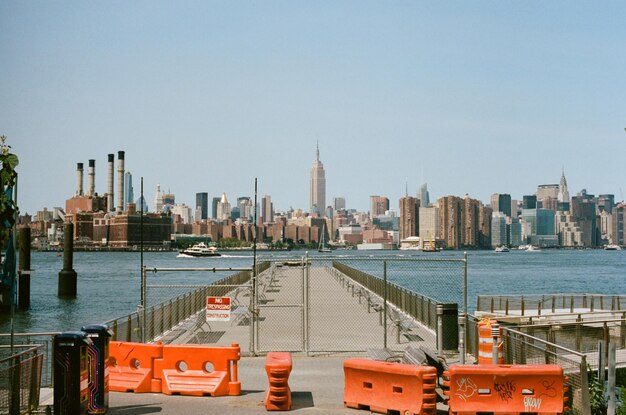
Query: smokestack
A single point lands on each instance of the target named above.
(120, 181)
(110, 205)
(91, 185)
(79, 179)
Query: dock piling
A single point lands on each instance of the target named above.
(23, 300)
(68, 277)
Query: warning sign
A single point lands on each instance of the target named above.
(218, 309)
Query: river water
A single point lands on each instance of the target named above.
(109, 282)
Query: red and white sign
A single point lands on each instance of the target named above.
(218, 309)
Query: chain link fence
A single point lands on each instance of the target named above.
(20, 379)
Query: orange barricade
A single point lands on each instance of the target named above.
(278, 368)
(505, 389)
(198, 370)
(131, 367)
(485, 343)
(384, 386)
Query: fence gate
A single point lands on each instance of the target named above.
(281, 299)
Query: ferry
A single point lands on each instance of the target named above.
(532, 248)
(201, 250)
(612, 247)
(501, 249)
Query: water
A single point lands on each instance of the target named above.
(109, 282)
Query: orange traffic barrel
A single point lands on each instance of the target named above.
(485, 343)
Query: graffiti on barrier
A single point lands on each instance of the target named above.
(548, 389)
(505, 389)
(466, 388)
(531, 404)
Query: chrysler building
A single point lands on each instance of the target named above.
(317, 187)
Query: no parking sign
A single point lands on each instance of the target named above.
(218, 309)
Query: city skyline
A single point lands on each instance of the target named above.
(483, 98)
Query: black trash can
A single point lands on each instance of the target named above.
(71, 374)
(450, 326)
(98, 358)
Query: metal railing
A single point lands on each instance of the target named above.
(20, 379)
(43, 341)
(538, 304)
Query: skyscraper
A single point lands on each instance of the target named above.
(378, 206)
(129, 196)
(563, 195)
(339, 203)
(424, 195)
(223, 208)
(501, 202)
(158, 199)
(267, 209)
(214, 203)
(317, 186)
(409, 217)
(202, 204)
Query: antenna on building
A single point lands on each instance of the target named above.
(406, 188)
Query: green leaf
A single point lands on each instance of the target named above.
(12, 161)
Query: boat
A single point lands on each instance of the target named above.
(501, 249)
(201, 250)
(322, 246)
(532, 248)
(612, 247)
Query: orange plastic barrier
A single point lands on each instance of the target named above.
(278, 368)
(131, 367)
(198, 370)
(485, 343)
(505, 389)
(383, 386)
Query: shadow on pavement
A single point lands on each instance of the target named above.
(135, 409)
(301, 400)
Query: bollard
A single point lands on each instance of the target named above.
(67, 276)
(440, 328)
(23, 296)
(495, 332)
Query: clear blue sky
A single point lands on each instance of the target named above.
(481, 96)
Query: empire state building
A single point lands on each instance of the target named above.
(317, 193)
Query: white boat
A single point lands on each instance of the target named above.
(523, 247)
(322, 246)
(501, 249)
(201, 250)
(532, 248)
(612, 247)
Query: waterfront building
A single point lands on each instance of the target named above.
(317, 186)
(429, 226)
(501, 202)
(378, 206)
(606, 203)
(223, 208)
(214, 202)
(202, 206)
(529, 202)
(129, 194)
(409, 216)
(124, 230)
(515, 232)
(450, 208)
(499, 230)
(470, 215)
(606, 227)
(583, 209)
(619, 230)
(570, 234)
(339, 203)
(158, 199)
(351, 234)
(484, 226)
(184, 212)
(424, 195)
(267, 209)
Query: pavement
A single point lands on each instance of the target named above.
(337, 322)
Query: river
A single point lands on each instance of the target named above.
(109, 282)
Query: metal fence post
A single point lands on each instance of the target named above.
(495, 333)
(462, 320)
(440, 328)
(601, 361)
(144, 303)
(611, 406)
(385, 302)
(584, 387)
(306, 308)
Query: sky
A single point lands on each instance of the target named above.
(473, 97)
